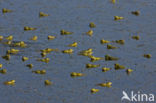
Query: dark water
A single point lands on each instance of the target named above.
(75, 15)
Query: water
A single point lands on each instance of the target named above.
(75, 16)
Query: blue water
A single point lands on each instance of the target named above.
(75, 16)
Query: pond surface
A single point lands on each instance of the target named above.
(75, 16)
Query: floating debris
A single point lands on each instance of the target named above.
(92, 65)
(92, 25)
(118, 66)
(136, 12)
(110, 58)
(147, 56)
(93, 90)
(108, 84)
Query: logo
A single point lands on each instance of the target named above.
(125, 96)
(137, 97)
